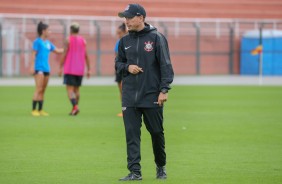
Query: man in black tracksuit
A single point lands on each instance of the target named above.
(143, 59)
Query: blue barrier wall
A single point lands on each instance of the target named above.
(272, 53)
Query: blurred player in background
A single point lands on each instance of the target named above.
(40, 67)
(73, 61)
(121, 31)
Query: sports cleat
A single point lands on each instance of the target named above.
(119, 115)
(74, 111)
(43, 113)
(131, 177)
(161, 173)
(35, 113)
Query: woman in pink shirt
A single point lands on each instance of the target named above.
(73, 62)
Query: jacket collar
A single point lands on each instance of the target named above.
(148, 28)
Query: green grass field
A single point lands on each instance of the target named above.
(213, 135)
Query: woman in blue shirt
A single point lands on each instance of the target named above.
(40, 67)
(121, 31)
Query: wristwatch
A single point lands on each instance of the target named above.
(164, 91)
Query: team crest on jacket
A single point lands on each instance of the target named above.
(148, 46)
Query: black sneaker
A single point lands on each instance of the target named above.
(131, 177)
(161, 173)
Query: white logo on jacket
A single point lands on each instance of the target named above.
(148, 46)
(127, 47)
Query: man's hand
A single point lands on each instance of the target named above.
(134, 69)
(162, 98)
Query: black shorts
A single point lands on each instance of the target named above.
(118, 78)
(41, 72)
(72, 80)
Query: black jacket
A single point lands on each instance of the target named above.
(149, 50)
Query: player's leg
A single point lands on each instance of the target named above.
(77, 81)
(77, 93)
(69, 81)
(73, 99)
(41, 96)
(71, 94)
(120, 93)
(38, 77)
(153, 119)
(119, 84)
(132, 123)
(77, 97)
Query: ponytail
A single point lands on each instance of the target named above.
(41, 27)
(122, 27)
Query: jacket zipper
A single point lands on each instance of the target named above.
(136, 94)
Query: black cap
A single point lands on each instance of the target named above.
(132, 10)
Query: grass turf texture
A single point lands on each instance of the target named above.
(213, 135)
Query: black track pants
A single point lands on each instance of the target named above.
(153, 119)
